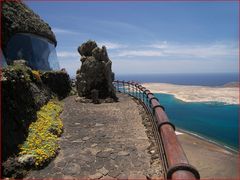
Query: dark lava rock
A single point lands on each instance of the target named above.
(12, 168)
(24, 92)
(95, 72)
(86, 48)
(22, 95)
(58, 82)
(18, 18)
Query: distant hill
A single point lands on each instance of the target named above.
(232, 84)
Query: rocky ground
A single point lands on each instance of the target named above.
(105, 140)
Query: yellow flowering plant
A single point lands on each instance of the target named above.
(42, 140)
(36, 74)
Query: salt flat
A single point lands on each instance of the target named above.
(187, 93)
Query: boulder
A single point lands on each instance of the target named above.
(95, 74)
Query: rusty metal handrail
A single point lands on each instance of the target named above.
(178, 166)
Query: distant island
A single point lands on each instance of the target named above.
(232, 84)
(227, 94)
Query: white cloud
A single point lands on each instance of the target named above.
(163, 57)
(71, 65)
(202, 50)
(126, 28)
(111, 45)
(159, 45)
(64, 31)
(181, 51)
(150, 66)
(145, 53)
(67, 54)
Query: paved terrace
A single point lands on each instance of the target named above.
(108, 140)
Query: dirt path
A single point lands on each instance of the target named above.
(105, 140)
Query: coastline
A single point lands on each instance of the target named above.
(188, 93)
(211, 159)
(223, 146)
(178, 91)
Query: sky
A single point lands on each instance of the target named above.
(147, 37)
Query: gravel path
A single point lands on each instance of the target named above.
(105, 140)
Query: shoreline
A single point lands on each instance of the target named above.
(217, 94)
(192, 93)
(211, 159)
(223, 146)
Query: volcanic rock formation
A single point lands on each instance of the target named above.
(26, 36)
(24, 92)
(18, 18)
(95, 77)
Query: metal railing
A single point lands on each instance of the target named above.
(174, 160)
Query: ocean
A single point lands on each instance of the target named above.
(210, 79)
(213, 121)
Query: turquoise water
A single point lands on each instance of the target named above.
(215, 121)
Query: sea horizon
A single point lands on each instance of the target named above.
(201, 79)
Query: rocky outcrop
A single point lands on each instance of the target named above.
(95, 77)
(18, 18)
(58, 82)
(24, 92)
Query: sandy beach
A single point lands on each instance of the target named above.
(211, 160)
(187, 93)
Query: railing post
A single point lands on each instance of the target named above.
(117, 85)
(139, 92)
(134, 89)
(143, 94)
(139, 95)
(133, 86)
(131, 90)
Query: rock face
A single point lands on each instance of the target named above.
(95, 76)
(18, 18)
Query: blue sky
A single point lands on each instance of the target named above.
(147, 37)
